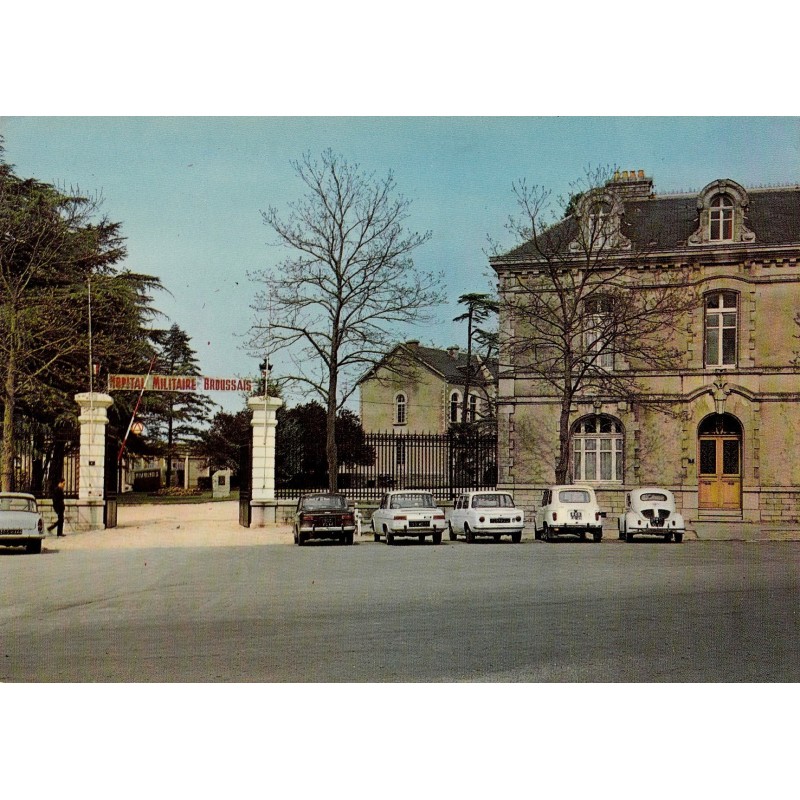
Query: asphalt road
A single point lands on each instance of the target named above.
(568, 611)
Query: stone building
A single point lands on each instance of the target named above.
(731, 449)
(417, 389)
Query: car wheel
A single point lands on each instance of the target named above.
(34, 546)
(497, 537)
(468, 533)
(348, 539)
(375, 535)
(537, 534)
(678, 538)
(389, 536)
(667, 537)
(545, 534)
(301, 539)
(295, 535)
(582, 536)
(597, 536)
(516, 537)
(451, 532)
(628, 535)
(621, 531)
(437, 537)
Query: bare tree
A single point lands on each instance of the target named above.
(579, 317)
(335, 303)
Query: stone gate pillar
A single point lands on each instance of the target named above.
(263, 502)
(91, 476)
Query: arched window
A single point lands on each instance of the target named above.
(455, 403)
(472, 411)
(721, 309)
(597, 449)
(721, 219)
(400, 409)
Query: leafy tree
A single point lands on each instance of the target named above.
(580, 311)
(220, 443)
(480, 307)
(175, 417)
(349, 279)
(301, 459)
(53, 245)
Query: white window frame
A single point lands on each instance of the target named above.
(400, 409)
(720, 216)
(455, 405)
(598, 456)
(714, 335)
(592, 341)
(472, 408)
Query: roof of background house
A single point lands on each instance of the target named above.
(665, 222)
(452, 367)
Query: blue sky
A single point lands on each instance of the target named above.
(189, 190)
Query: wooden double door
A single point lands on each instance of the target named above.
(720, 474)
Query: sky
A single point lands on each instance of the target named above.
(189, 192)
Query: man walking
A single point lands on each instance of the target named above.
(58, 508)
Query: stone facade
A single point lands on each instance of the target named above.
(426, 379)
(730, 447)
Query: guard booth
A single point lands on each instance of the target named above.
(245, 485)
(111, 478)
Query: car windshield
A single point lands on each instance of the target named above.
(653, 497)
(409, 500)
(573, 496)
(492, 501)
(324, 502)
(17, 504)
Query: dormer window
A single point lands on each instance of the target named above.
(722, 210)
(599, 215)
(721, 219)
(600, 223)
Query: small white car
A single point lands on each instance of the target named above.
(408, 512)
(21, 524)
(568, 509)
(486, 514)
(651, 510)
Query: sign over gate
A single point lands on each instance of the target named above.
(177, 383)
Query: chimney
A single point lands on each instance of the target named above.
(412, 344)
(453, 351)
(631, 184)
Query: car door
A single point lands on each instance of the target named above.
(457, 518)
(538, 519)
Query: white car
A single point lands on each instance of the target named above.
(651, 510)
(486, 514)
(408, 513)
(21, 523)
(568, 509)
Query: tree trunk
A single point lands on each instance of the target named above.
(169, 448)
(9, 397)
(562, 467)
(330, 443)
(467, 381)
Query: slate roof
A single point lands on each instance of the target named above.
(452, 368)
(666, 222)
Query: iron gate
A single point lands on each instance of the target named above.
(111, 474)
(245, 485)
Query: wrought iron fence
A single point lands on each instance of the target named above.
(445, 464)
(41, 457)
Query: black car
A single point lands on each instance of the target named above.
(324, 516)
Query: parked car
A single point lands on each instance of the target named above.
(651, 510)
(325, 515)
(408, 513)
(568, 509)
(486, 514)
(21, 524)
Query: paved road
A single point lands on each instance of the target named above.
(724, 611)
